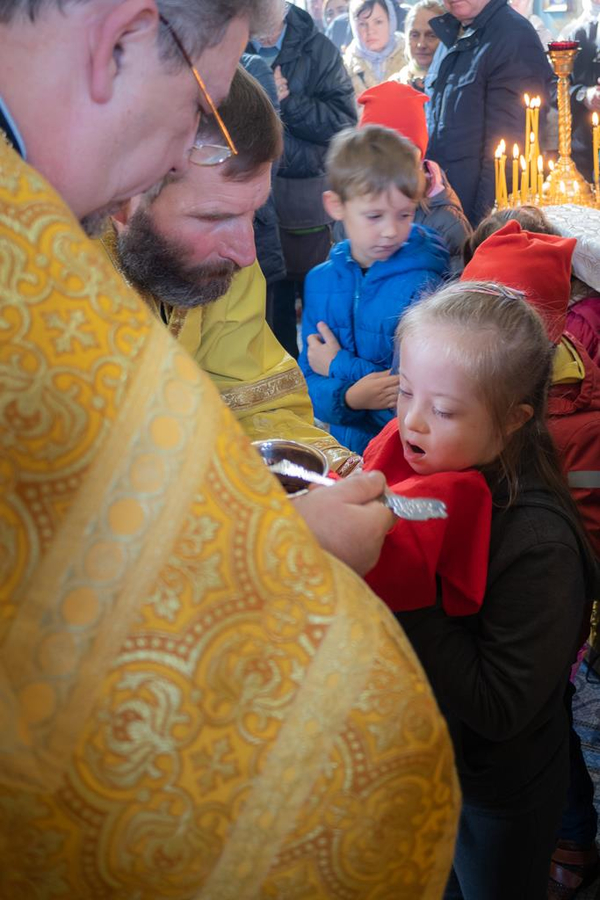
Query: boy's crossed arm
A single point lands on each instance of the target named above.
(376, 390)
(322, 349)
(335, 360)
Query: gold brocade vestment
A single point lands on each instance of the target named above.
(195, 700)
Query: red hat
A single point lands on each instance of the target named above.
(397, 106)
(537, 264)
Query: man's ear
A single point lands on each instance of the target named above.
(518, 417)
(121, 27)
(333, 205)
(122, 217)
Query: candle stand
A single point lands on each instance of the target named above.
(565, 182)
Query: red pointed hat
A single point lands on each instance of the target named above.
(537, 264)
(397, 106)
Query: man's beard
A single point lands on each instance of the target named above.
(157, 266)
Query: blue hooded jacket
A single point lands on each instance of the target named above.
(363, 311)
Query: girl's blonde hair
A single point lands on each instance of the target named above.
(501, 342)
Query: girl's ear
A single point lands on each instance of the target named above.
(518, 417)
(333, 205)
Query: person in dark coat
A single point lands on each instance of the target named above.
(585, 90)
(317, 101)
(488, 57)
(269, 251)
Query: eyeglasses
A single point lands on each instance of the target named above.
(203, 154)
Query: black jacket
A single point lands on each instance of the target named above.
(586, 72)
(266, 230)
(321, 100)
(476, 85)
(500, 676)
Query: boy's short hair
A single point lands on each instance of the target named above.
(371, 160)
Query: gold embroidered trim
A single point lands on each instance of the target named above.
(245, 396)
(177, 317)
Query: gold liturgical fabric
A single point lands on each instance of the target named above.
(195, 700)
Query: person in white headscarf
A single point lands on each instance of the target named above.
(377, 48)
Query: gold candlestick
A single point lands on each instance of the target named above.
(565, 173)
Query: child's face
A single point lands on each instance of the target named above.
(443, 424)
(377, 226)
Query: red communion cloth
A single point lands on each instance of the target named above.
(416, 554)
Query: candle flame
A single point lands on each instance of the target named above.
(595, 119)
(523, 163)
(502, 145)
(575, 188)
(532, 137)
(515, 151)
(551, 165)
(563, 188)
(540, 164)
(498, 152)
(526, 99)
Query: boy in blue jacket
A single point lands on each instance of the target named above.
(353, 301)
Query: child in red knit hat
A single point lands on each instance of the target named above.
(474, 368)
(539, 264)
(400, 107)
(583, 314)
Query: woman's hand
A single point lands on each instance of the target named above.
(281, 84)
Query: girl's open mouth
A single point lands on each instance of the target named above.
(415, 448)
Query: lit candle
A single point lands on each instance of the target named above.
(497, 175)
(524, 185)
(551, 165)
(527, 125)
(515, 175)
(535, 125)
(503, 187)
(596, 137)
(540, 179)
(532, 162)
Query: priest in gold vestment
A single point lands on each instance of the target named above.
(195, 700)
